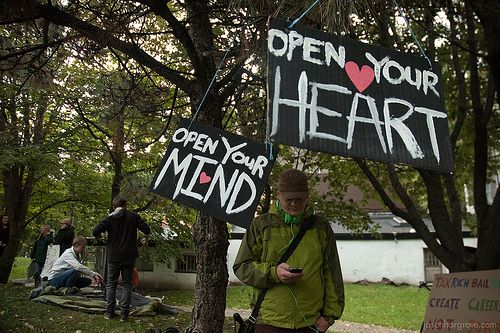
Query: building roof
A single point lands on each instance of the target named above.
(391, 227)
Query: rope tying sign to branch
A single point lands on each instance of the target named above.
(414, 37)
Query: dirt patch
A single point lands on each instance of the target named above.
(346, 326)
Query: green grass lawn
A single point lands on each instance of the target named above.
(17, 314)
(19, 269)
(384, 305)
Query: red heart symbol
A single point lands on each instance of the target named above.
(204, 178)
(361, 78)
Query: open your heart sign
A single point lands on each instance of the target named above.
(214, 171)
(344, 97)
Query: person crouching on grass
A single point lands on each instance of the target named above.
(66, 270)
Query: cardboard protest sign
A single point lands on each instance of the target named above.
(340, 96)
(31, 270)
(50, 259)
(464, 302)
(216, 172)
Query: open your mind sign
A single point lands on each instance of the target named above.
(214, 171)
(336, 95)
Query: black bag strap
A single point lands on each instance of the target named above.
(308, 223)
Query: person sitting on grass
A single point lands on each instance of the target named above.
(66, 270)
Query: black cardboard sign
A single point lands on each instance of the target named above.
(340, 96)
(214, 171)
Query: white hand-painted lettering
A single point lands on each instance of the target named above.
(243, 178)
(315, 109)
(230, 150)
(331, 53)
(387, 72)
(294, 40)
(287, 43)
(429, 81)
(183, 167)
(398, 124)
(234, 196)
(303, 106)
(219, 178)
(311, 45)
(232, 190)
(353, 119)
(270, 42)
(183, 135)
(276, 101)
(391, 123)
(431, 114)
(188, 191)
(418, 77)
(377, 65)
(312, 49)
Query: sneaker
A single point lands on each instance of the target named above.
(109, 315)
(34, 293)
(123, 317)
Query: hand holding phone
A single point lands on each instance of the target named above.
(288, 274)
(296, 270)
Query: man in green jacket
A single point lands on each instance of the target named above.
(301, 302)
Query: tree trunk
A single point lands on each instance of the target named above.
(489, 252)
(210, 235)
(211, 238)
(8, 257)
(17, 198)
(116, 153)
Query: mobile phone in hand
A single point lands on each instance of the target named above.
(295, 270)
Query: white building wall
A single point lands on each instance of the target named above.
(371, 260)
(163, 277)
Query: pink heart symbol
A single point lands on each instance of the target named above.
(204, 178)
(361, 78)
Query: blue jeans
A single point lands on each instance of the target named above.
(70, 278)
(126, 268)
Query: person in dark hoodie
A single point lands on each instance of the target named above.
(122, 226)
(65, 236)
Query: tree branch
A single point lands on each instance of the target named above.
(449, 233)
(380, 190)
(460, 78)
(105, 38)
(33, 218)
(179, 30)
